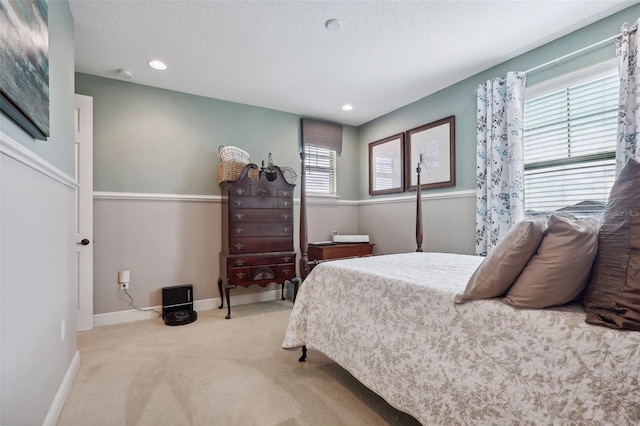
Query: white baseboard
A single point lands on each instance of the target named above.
(63, 391)
(199, 305)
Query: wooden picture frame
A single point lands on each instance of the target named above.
(386, 158)
(433, 146)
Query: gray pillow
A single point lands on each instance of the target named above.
(502, 266)
(559, 271)
(612, 297)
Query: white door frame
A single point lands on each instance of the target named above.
(84, 210)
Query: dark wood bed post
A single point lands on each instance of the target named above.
(418, 212)
(304, 258)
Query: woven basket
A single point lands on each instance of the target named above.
(233, 153)
(230, 170)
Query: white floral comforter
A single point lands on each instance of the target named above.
(391, 322)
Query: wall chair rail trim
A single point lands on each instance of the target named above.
(13, 149)
(100, 195)
(103, 195)
(412, 198)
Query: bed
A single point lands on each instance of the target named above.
(391, 322)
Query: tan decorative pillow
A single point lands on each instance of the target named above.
(559, 271)
(502, 266)
(612, 298)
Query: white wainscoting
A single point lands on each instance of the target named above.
(37, 286)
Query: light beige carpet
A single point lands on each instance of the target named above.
(214, 372)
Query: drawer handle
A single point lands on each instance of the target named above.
(239, 215)
(239, 230)
(239, 203)
(262, 191)
(239, 262)
(286, 216)
(286, 230)
(286, 203)
(240, 191)
(240, 275)
(239, 246)
(285, 194)
(286, 271)
(286, 259)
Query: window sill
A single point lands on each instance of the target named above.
(318, 195)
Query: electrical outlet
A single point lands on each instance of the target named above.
(123, 279)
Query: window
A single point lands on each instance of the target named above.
(322, 141)
(320, 164)
(570, 142)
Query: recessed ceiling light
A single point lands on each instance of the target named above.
(158, 65)
(333, 25)
(347, 107)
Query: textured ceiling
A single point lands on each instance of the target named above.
(279, 55)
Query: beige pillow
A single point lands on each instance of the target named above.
(559, 271)
(612, 298)
(501, 267)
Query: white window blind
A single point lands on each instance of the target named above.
(320, 164)
(384, 173)
(569, 144)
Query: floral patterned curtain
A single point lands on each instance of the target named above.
(499, 160)
(629, 100)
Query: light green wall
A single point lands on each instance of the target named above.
(160, 141)
(58, 149)
(460, 100)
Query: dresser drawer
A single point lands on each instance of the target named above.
(239, 274)
(263, 272)
(286, 271)
(263, 191)
(255, 261)
(253, 273)
(261, 203)
(285, 193)
(239, 189)
(269, 191)
(260, 244)
(273, 229)
(263, 215)
(254, 203)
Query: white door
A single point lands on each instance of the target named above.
(84, 210)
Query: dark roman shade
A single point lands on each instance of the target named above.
(325, 135)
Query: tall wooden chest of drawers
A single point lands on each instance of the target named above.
(257, 231)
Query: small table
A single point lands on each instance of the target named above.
(323, 252)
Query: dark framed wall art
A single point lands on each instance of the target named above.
(386, 158)
(433, 147)
(24, 64)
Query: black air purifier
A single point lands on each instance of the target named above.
(177, 305)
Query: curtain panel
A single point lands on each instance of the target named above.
(629, 100)
(499, 159)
